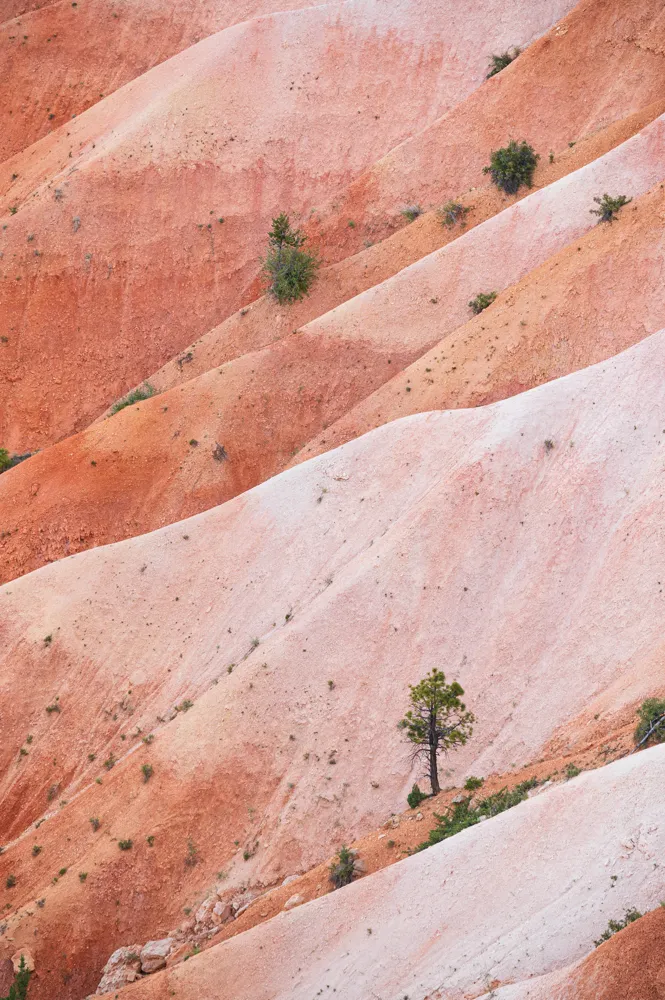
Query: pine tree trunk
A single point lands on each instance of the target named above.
(433, 747)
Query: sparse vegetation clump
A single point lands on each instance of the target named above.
(144, 391)
(471, 783)
(342, 870)
(147, 771)
(651, 725)
(8, 461)
(461, 815)
(512, 166)
(451, 213)
(411, 212)
(415, 797)
(481, 301)
(614, 926)
(19, 988)
(497, 63)
(125, 845)
(437, 721)
(289, 270)
(609, 207)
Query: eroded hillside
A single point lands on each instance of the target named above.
(215, 598)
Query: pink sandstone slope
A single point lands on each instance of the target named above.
(57, 61)
(602, 62)
(148, 266)
(154, 463)
(460, 539)
(265, 321)
(448, 921)
(595, 298)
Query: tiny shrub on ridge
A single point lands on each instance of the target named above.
(481, 301)
(342, 869)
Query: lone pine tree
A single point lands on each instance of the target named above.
(289, 270)
(437, 721)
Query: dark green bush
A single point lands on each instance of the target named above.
(415, 797)
(19, 988)
(144, 391)
(125, 845)
(497, 63)
(288, 269)
(608, 207)
(512, 166)
(342, 869)
(482, 301)
(651, 725)
(460, 815)
(614, 926)
(451, 213)
(471, 784)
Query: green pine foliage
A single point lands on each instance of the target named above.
(144, 391)
(19, 988)
(289, 270)
(651, 725)
(512, 166)
(497, 63)
(342, 869)
(481, 301)
(609, 207)
(415, 797)
(462, 814)
(614, 926)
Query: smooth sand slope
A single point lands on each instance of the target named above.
(57, 61)
(459, 539)
(148, 266)
(520, 895)
(154, 463)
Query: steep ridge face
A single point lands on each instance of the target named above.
(432, 930)
(119, 212)
(155, 463)
(486, 540)
(603, 61)
(57, 61)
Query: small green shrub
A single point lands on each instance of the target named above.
(144, 391)
(572, 770)
(125, 845)
(110, 762)
(36, 849)
(184, 706)
(460, 815)
(94, 823)
(415, 797)
(147, 771)
(651, 725)
(411, 212)
(19, 988)
(8, 461)
(512, 166)
(451, 213)
(609, 207)
(342, 869)
(471, 784)
(83, 876)
(288, 269)
(497, 63)
(482, 301)
(614, 926)
(11, 881)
